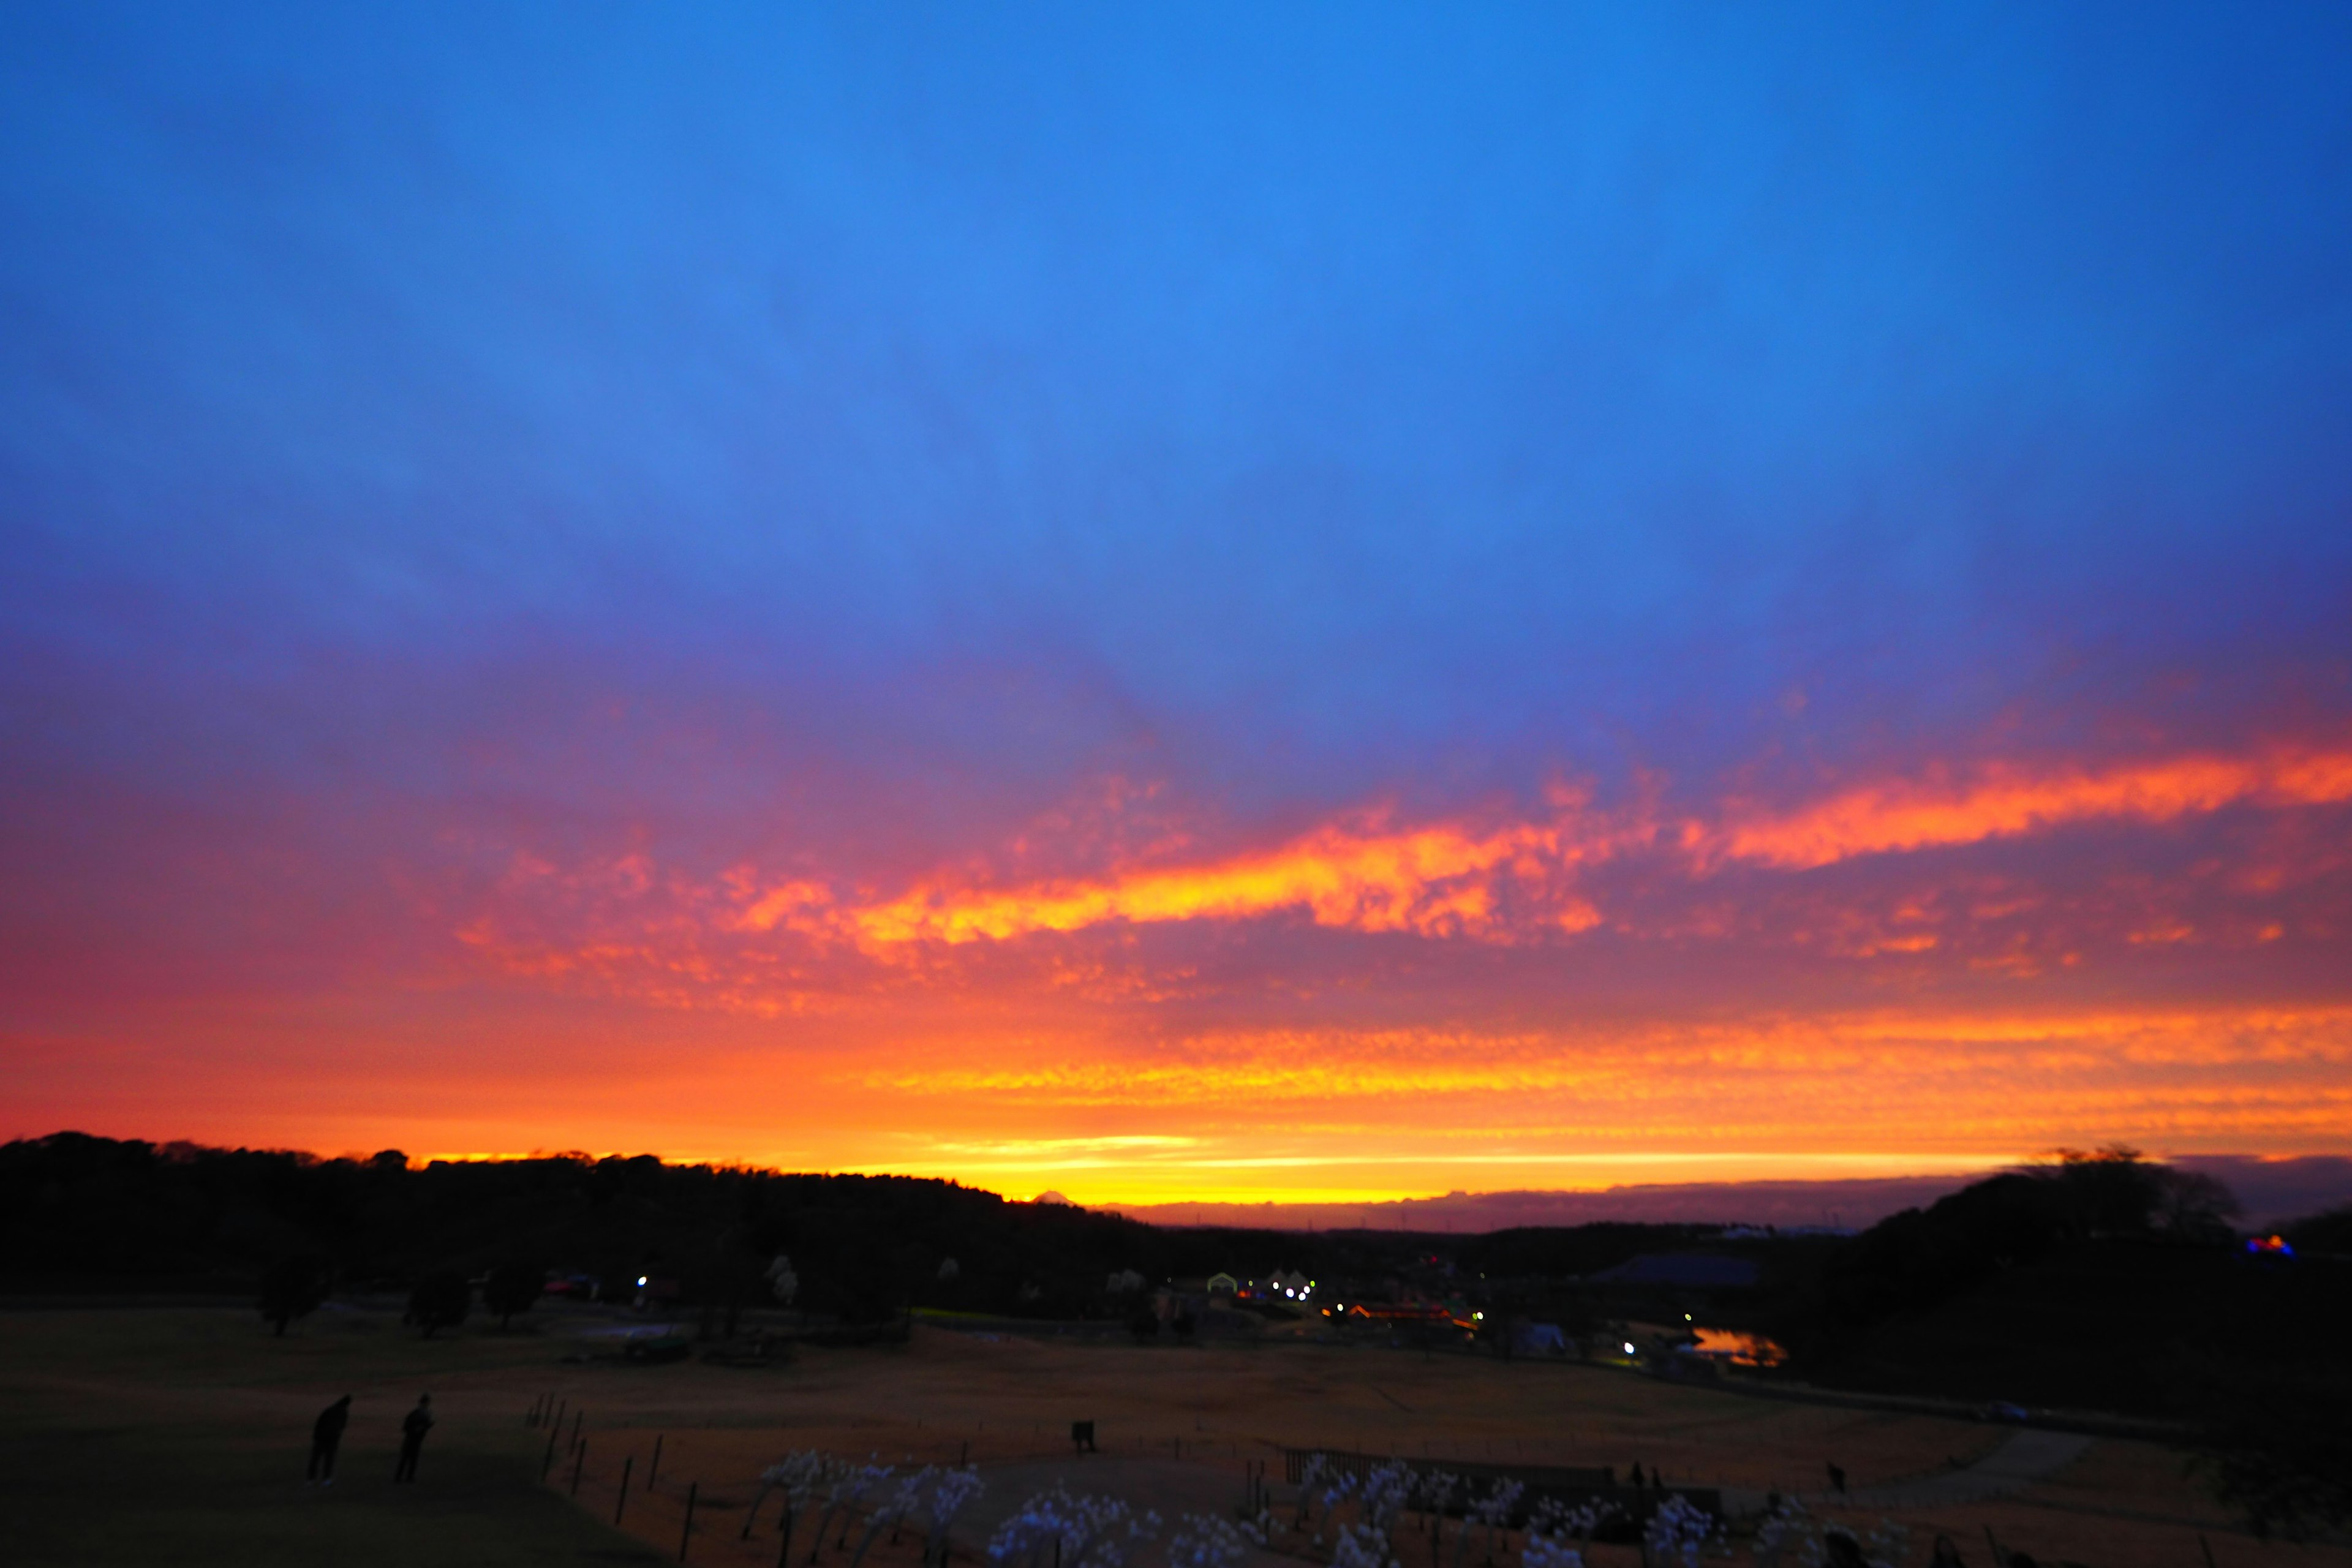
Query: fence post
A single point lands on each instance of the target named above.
(687, 1535)
(579, 1460)
(621, 1501)
(655, 1468)
(785, 1553)
(548, 1464)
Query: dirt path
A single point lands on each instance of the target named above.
(2028, 1456)
(2025, 1458)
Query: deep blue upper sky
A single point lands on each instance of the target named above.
(1299, 409)
(1349, 592)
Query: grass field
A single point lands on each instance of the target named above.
(156, 1436)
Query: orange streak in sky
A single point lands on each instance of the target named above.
(1434, 882)
(742, 942)
(2006, 801)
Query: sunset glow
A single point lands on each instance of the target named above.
(1176, 611)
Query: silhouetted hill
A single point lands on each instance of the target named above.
(78, 1213)
(2102, 1282)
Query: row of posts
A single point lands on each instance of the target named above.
(548, 1411)
(551, 1410)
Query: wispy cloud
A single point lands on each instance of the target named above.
(2000, 800)
(1441, 880)
(777, 944)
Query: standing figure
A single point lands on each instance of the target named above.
(326, 1436)
(1837, 1480)
(412, 1428)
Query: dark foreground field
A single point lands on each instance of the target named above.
(177, 1435)
(169, 1436)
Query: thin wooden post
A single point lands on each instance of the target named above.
(621, 1501)
(579, 1462)
(548, 1464)
(785, 1553)
(687, 1535)
(560, 1404)
(655, 1468)
(577, 1417)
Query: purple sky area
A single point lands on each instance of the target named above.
(473, 486)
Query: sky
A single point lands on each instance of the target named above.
(1327, 606)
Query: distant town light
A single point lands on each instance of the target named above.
(1628, 1347)
(641, 1281)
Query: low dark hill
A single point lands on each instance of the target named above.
(2139, 1327)
(2101, 1283)
(80, 1214)
(1560, 1251)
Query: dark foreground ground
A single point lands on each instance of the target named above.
(177, 1435)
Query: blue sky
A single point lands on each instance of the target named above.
(849, 439)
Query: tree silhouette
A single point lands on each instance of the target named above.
(440, 1301)
(292, 1287)
(513, 1286)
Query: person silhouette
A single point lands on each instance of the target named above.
(1637, 1476)
(412, 1428)
(326, 1436)
(1837, 1480)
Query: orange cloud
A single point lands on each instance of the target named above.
(2003, 801)
(760, 944)
(1442, 880)
(1709, 1067)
